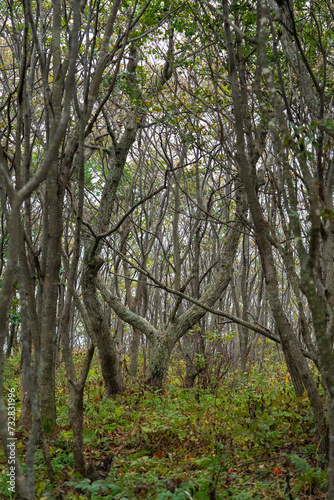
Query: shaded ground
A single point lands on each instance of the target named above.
(250, 439)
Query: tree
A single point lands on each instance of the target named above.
(250, 147)
(25, 186)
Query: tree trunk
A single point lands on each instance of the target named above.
(76, 386)
(26, 414)
(330, 493)
(191, 373)
(48, 312)
(104, 341)
(134, 352)
(159, 361)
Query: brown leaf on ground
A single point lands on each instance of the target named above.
(141, 490)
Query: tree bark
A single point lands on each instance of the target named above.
(106, 345)
(134, 352)
(10, 339)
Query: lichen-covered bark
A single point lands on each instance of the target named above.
(134, 352)
(158, 364)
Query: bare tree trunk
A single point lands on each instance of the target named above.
(76, 413)
(107, 347)
(144, 356)
(25, 415)
(134, 352)
(76, 385)
(330, 493)
(244, 333)
(263, 347)
(46, 378)
(188, 354)
(159, 361)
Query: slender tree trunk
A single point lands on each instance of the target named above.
(76, 408)
(263, 347)
(51, 249)
(191, 373)
(52, 260)
(244, 333)
(330, 493)
(106, 345)
(134, 352)
(76, 386)
(26, 414)
(144, 356)
(76, 413)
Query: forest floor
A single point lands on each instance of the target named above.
(250, 438)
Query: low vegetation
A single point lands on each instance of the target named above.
(248, 438)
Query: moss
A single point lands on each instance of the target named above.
(48, 426)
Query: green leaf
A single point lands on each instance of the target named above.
(118, 411)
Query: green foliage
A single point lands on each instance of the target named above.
(185, 444)
(11, 376)
(96, 488)
(14, 317)
(310, 479)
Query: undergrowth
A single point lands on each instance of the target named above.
(248, 439)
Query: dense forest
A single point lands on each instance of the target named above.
(166, 253)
